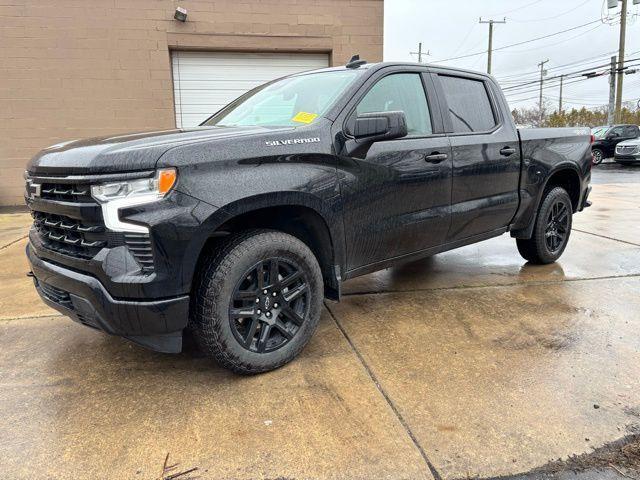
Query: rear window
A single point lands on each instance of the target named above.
(469, 105)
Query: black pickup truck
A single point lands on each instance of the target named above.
(233, 232)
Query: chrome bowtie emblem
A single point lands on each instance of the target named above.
(33, 189)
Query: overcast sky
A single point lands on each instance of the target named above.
(451, 29)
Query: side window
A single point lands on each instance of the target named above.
(619, 131)
(630, 131)
(469, 105)
(400, 92)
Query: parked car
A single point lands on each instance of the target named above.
(606, 140)
(628, 152)
(235, 232)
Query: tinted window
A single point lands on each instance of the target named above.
(631, 131)
(469, 106)
(618, 131)
(401, 92)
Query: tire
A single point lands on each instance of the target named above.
(234, 322)
(598, 156)
(552, 229)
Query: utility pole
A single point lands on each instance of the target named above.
(623, 33)
(420, 53)
(560, 105)
(542, 74)
(490, 49)
(611, 119)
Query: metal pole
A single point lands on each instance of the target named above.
(490, 48)
(560, 105)
(612, 92)
(541, 65)
(420, 53)
(623, 32)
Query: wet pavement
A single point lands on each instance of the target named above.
(471, 364)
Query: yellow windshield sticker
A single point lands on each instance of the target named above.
(304, 117)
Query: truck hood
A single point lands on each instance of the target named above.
(126, 153)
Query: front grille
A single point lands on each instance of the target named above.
(83, 234)
(67, 192)
(68, 236)
(56, 295)
(626, 149)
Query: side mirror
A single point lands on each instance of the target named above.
(379, 126)
(612, 135)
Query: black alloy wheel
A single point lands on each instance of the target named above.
(551, 229)
(269, 305)
(557, 229)
(257, 299)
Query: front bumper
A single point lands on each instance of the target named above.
(627, 158)
(155, 324)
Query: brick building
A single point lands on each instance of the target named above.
(79, 68)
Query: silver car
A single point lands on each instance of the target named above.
(628, 152)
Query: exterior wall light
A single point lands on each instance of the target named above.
(181, 14)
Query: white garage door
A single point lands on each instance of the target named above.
(204, 82)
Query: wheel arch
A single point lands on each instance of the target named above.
(566, 176)
(306, 220)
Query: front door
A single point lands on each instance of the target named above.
(397, 196)
(486, 156)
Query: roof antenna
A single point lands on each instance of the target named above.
(355, 62)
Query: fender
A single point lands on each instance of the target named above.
(328, 210)
(525, 219)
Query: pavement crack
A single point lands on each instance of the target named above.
(13, 243)
(385, 395)
(31, 317)
(608, 238)
(499, 285)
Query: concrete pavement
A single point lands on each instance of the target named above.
(469, 364)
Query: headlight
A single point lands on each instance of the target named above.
(156, 187)
(117, 195)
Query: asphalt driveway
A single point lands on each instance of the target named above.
(470, 364)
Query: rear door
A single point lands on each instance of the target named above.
(397, 194)
(486, 154)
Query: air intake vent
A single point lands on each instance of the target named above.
(56, 295)
(139, 245)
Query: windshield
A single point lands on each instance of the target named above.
(291, 101)
(599, 132)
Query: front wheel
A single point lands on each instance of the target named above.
(552, 229)
(257, 301)
(598, 156)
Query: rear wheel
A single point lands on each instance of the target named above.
(598, 156)
(257, 301)
(552, 229)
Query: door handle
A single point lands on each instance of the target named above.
(436, 157)
(507, 151)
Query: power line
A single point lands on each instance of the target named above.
(560, 41)
(568, 74)
(550, 18)
(523, 42)
(531, 90)
(519, 8)
(576, 62)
